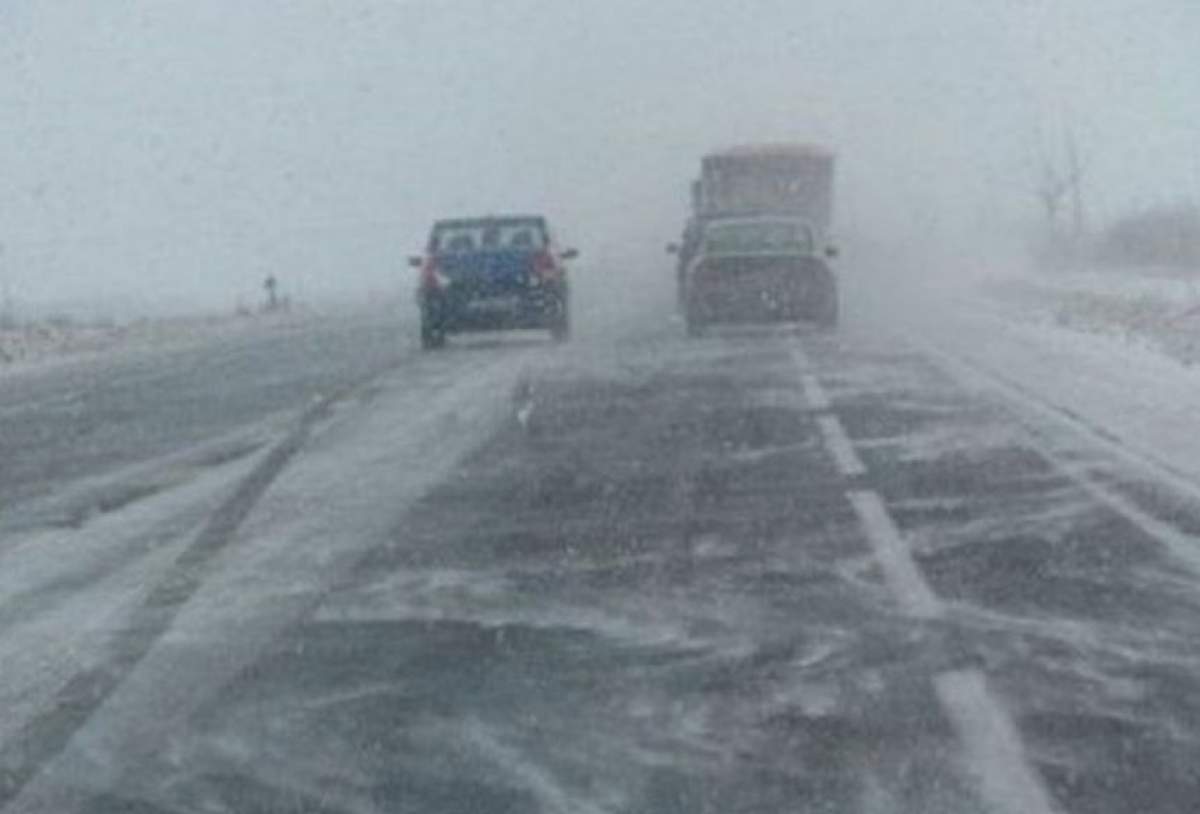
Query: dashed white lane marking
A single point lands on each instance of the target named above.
(995, 754)
(844, 456)
(815, 394)
(993, 745)
(1008, 783)
(899, 569)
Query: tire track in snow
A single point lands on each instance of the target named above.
(208, 627)
(46, 735)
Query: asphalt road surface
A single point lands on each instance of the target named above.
(766, 570)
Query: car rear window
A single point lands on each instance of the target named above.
(488, 237)
(758, 236)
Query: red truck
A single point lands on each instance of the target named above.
(761, 179)
(777, 184)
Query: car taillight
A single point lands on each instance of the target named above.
(431, 280)
(544, 266)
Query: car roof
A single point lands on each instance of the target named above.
(490, 220)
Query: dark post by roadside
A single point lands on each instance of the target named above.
(272, 288)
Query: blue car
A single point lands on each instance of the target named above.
(492, 273)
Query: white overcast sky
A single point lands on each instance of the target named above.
(172, 152)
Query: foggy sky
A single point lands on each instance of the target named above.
(171, 153)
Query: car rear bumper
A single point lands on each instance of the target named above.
(783, 294)
(496, 313)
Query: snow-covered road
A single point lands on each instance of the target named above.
(919, 566)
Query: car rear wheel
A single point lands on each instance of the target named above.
(560, 318)
(827, 310)
(560, 331)
(432, 340)
(433, 334)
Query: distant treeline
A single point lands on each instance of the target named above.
(1161, 236)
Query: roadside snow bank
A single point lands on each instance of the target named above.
(1156, 308)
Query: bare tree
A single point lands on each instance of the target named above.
(1060, 183)
(1059, 176)
(1074, 180)
(1052, 190)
